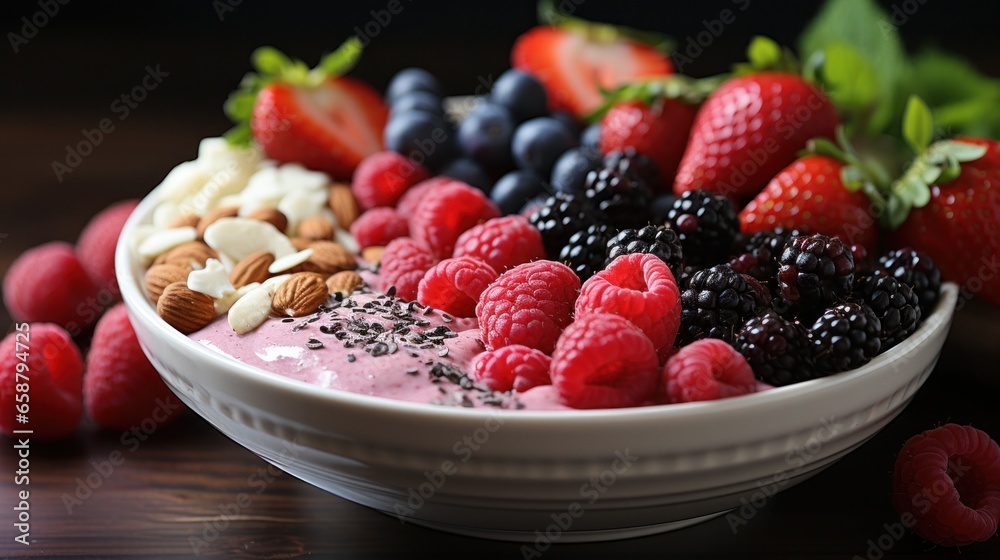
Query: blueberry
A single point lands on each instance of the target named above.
(418, 101)
(591, 137)
(424, 138)
(567, 119)
(570, 171)
(521, 93)
(412, 79)
(539, 142)
(485, 136)
(468, 171)
(514, 189)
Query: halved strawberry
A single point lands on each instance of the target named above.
(576, 59)
(318, 118)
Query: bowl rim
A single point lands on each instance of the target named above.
(140, 308)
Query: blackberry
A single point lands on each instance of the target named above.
(586, 251)
(619, 190)
(845, 337)
(916, 270)
(559, 217)
(895, 304)
(655, 240)
(758, 255)
(815, 272)
(777, 349)
(706, 223)
(684, 278)
(717, 302)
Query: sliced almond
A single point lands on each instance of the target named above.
(300, 295)
(185, 220)
(185, 309)
(238, 237)
(345, 282)
(316, 228)
(329, 258)
(225, 303)
(253, 268)
(165, 240)
(193, 254)
(290, 262)
(214, 215)
(372, 255)
(271, 215)
(213, 280)
(343, 205)
(347, 240)
(159, 276)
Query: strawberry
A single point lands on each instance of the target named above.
(319, 118)
(959, 226)
(809, 195)
(659, 133)
(575, 60)
(749, 129)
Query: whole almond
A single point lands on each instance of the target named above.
(300, 295)
(187, 220)
(373, 254)
(188, 253)
(329, 258)
(301, 243)
(253, 268)
(184, 309)
(160, 276)
(213, 215)
(344, 282)
(270, 215)
(344, 205)
(316, 228)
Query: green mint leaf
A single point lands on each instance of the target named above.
(269, 61)
(850, 81)
(863, 25)
(240, 135)
(918, 125)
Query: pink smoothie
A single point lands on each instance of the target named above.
(374, 344)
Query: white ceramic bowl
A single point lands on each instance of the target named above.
(577, 475)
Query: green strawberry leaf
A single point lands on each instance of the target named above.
(764, 54)
(864, 26)
(963, 100)
(918, 124)
(850, 81)
(675, 86)
(272, 66)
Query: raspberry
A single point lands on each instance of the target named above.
(379, 226)
(414, 195)
(96, 246)
(502, 243)
(706, 370)
(454, 285)
(403, 264)
(604, 361)
(513, 367)
(529, 304)
(382, 178)
(49, 284)
(447, 212)
(946, 484)
(52, 370)
(640, 288)
(121, 388)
